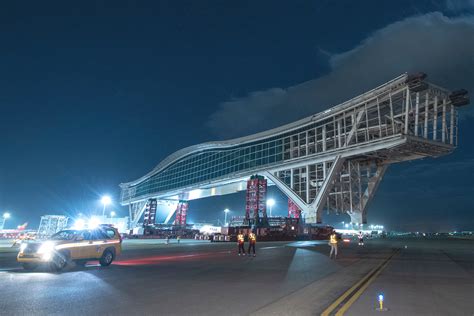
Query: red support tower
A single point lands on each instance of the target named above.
(256, 201)
(293, 210)
(181, 212)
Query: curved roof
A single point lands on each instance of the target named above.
(272, 132)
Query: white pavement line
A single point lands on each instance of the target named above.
(273, 247)
(10, 269)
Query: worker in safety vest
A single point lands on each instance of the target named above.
(361, 239)
(252, 242)
(333, 244)
(240, 242)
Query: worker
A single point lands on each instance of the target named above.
(333, 244)
(361, 239)
(240, 242)
(252, 242)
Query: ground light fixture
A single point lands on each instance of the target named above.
(381, 308)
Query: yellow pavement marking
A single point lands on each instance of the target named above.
(357, 294)
(328, 310)
(369, 277)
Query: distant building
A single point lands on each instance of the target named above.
(51, 224)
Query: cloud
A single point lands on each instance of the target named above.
(432, 43)
(459, 5)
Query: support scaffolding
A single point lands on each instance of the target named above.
(149, 217)
(181, 213)
(256, 202)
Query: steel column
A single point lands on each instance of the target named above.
(443, 123)
(407, 106)
(435, 117)
(451, 128)
(426, 115)
(417, 105)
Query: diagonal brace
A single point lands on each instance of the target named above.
(320, 200)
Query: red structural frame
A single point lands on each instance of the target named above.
(181, 213)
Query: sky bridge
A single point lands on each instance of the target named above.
(331, 161)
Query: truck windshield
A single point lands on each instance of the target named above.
(65, 235)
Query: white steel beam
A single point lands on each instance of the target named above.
(391, 113)
(137, 214)
(170, 214)
(435, 117)
(425, 134)
(355, 125)
(443, 123)
(417, 111)
(287, 191)
(371, 189)
(324, 138)
(317, 205)
(407, 107)
(451, 126)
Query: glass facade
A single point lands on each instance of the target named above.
(213, 164)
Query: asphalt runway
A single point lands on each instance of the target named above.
(427, 277)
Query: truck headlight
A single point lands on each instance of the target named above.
(46, 250)
(23, 246)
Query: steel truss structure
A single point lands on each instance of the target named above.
(331, 161)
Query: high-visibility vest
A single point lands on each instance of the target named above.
(333, 239)
(252, 237)
(240, 238)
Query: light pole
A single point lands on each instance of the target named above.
(106, 200)
(5, 216)
(270, 203)
(225, 216)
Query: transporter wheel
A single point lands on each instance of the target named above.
(107, 257)
(29, 266)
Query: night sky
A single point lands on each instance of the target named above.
(97, 93)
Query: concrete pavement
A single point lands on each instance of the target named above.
(424, 280)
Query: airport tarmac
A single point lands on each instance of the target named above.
(416, 277)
